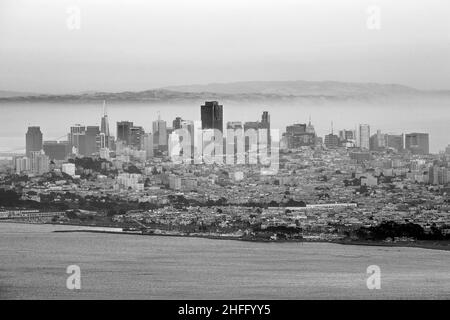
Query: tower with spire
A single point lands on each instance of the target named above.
(310, 127)
(331, 140)
(104, 128)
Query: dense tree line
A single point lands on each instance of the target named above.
(279, 229)
(9, 198)
(89, 163)
(391, 229)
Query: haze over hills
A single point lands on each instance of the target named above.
(248, 91)
(297, 88)
(10, 94)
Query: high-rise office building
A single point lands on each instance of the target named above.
(233, 144)
(176, 124)
(189, 126)
(347, 138)
(22, 164)
(160, 137)
(251, 145)
(212, 115)
(148, 145)
(395, 141)
(124, 131)
(84, 141)
(346, 135)
(265, 124)
(103, 141)
(297, 128)
(296, 136)
(364, 136)
(91, 141)
(378, 141)
(104, 127)
(74, 135)
(310, 127)
(39, 162)
(265, 117)
(417, 143)
(137, 137)
(33, 139)
(331, 141)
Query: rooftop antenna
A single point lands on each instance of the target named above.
(310, 120)
(104, 107)
(331, 127)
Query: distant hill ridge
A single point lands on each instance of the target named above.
(242, 91)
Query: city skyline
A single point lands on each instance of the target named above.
(94, 141)
(226, 149)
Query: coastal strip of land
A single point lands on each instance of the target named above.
(423, 244)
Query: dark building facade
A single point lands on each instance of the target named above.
(137, 137)
(417, 143)
(56, 150)
(297, 136)
(265, 117)
(395, 141)
(74, 135)
(265, 124)
(346, 136)
(92, 140)
(160, 135)
(33, 139)
(212, 115)
(124, 131)
(331, 141)
(176, 124)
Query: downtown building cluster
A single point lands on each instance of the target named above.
(323, 186)
(133, 144)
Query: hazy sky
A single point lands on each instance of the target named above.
(138, 45)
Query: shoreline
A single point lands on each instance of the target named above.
(423, 244)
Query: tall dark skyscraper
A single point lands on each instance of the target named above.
(265, 117)
(395, 141)
(92, 141)
(417, 143)
(104, 127)
(76, 133)
(33, 139)
(265, 124)
(124, 131)
(176, 124)
(212, 115)
(137, 137)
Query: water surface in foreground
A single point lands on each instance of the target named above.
(33, 262)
